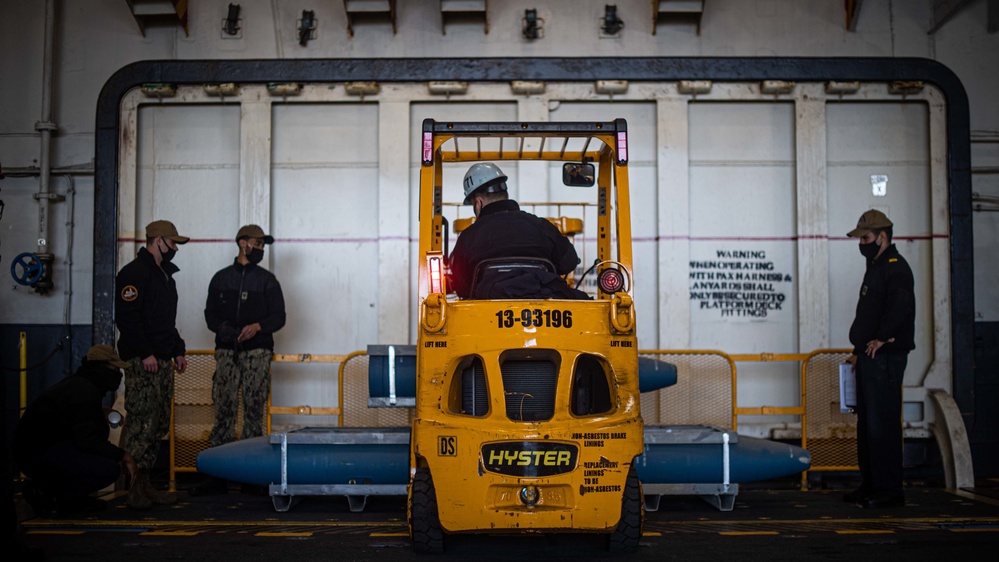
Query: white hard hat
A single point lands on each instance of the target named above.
(483, 174)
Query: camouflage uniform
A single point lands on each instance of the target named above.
(146, 314)
(240, 296)
(249, 371)
(148, 397)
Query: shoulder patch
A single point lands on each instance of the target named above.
(129, 293)
(892, 260)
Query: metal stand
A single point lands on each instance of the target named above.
(284, 495)
(721, 494)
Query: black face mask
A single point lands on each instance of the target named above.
(168, 254)
(870, 250)
(104, 376)
(255, 256)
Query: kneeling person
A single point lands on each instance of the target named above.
(61, 442)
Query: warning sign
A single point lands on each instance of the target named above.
(739, 284)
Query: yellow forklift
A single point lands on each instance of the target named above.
(527, 411)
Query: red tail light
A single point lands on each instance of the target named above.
(622, 147)
(610, 281)
(428, 148)
(436, 274)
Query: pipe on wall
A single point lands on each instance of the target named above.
(68, 293)
(45, 126)
(31, 171)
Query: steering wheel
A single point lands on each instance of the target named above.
(30, 266)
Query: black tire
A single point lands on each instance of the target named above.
(626, 536)
(424, 521)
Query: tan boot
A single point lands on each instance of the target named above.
(137, 498)
(155, 496)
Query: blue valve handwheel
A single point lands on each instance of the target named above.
(31, 269)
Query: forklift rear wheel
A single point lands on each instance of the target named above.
(428, 536)
(629, 529)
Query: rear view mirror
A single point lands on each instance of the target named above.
(578, 174)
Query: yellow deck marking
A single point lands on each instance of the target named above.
(744, 533)
(992, 530)
(825, 522)
(389, 535)
(38, 524)
(170, 533)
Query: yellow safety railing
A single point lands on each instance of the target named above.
(22, 346)
(799, 409)
(705, 393)
(193, 410)
(829, 434)
(191, 413)
(307, 410)
(354, 375)
(769, 410)
(707, 388)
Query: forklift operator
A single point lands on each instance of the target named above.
(502, 230)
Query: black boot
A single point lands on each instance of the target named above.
(42, 502)
(149, 490)
(137, 499)
(72, 505)
(211, 486)
(856, 496)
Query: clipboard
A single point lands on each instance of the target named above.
(847, 389)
